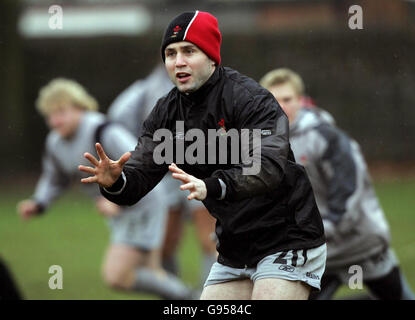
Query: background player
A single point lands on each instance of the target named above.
(356, 230)
(132, 260)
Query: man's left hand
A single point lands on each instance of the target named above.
(196, 186)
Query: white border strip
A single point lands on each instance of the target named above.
(82, 21)
(191, 21)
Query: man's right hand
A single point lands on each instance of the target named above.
(106, 171)
(27, 209)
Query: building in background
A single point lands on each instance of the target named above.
(107, 44)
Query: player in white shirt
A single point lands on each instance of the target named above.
(132, 261)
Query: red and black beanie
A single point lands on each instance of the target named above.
(197, 27)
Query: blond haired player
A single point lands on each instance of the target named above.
(356, 230)
(132, 261)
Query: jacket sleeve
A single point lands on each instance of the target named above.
(268, 150)
(52, 181)
(342, 174)
(141, 173)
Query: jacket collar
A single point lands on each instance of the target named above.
(204, 90)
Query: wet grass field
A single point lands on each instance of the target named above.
(73, 235)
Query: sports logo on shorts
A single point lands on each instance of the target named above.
(312, 276)
(286, 268)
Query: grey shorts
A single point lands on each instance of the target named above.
(306, 265)
(177, 198)
(143, 224)
(373, 268)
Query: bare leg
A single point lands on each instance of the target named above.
(127, 268)
(120, 264)
(280, 289)
(205, 227)
(231, 290)
(174, 232)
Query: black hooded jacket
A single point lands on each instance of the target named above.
(270, 211)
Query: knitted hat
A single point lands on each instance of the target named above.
(199, 28)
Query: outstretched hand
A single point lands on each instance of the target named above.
(105, 171)
(196, 186)
(27, 209)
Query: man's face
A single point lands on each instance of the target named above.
(188, 66)
(288, 98)
(64, 119)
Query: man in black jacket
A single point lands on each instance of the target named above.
(270, 235)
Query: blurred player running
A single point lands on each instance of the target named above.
(131, 108)
(132, 260)
(356, 230)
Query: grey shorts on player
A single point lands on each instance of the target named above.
(306, 265)
(143, 224)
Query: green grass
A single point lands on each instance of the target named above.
(73, 235)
